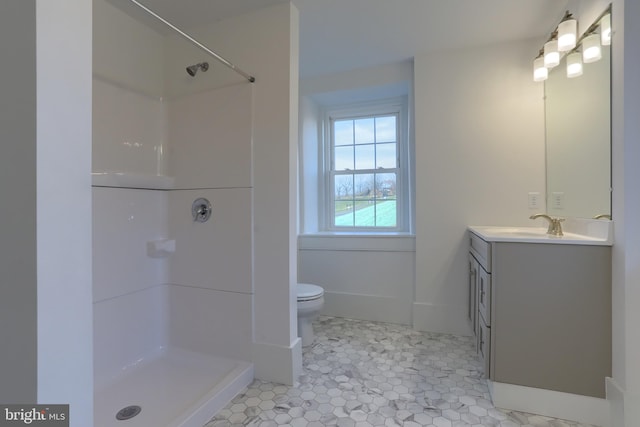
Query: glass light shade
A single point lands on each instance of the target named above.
(574, 65)
(605, 30)
(591, 51)
(551, 54)
(567, 35)
(540, 72)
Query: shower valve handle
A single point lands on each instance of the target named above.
(201, 210)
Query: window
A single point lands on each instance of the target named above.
(365, 170)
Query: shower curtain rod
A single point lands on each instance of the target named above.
(194, 41)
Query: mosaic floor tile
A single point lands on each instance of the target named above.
(368, 374)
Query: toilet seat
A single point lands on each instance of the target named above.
(308, 292)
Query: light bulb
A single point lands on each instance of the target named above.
(574, 65)
(605, 30)
(551, 54)
(591, 51)
(540, 72)
(567, 34)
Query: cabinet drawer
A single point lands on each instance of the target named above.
(484, 295)
(481, 250)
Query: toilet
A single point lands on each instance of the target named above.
(310, 302)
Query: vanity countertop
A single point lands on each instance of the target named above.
(576, 232)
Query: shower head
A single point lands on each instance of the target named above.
(193, 69)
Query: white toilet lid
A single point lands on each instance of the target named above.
(307, 291)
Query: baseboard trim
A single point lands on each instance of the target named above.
(276, 363)
(566, 406)
(615, 396)
(441, 318)
(367, 307)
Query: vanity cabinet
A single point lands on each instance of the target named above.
(543, 313)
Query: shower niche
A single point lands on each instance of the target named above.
(172, 333)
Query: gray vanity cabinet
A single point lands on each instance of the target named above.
(549, 315)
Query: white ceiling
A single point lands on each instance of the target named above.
(339, 35)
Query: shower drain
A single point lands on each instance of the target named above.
(128, 412)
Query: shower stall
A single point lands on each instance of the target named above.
(172, 226)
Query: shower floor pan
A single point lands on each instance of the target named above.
(176, 388)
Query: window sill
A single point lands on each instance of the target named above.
(366, 241)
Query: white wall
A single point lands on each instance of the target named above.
(126, 52)
(129, 121)
(63, 205)
(625, 389)
(479, 151)
(128, 62)
(129, 322)
(368, 277)
(130, 135)
(210, 138)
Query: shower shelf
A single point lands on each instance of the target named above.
(132, 180)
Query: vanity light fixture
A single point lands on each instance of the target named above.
(574, 64)
(540, 72)
(564, 40)
(551, 54)
(567, 33)
(605, 30)
(591, 51)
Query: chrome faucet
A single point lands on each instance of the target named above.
(555, 228)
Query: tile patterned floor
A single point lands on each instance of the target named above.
(366, 374)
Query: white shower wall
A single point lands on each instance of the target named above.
(128, 299)
(200, 297)
(130, 134)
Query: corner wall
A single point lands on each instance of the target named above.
(63, 206)
(624, 390)
(368, 277)
(480, 131)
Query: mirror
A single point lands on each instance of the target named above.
(578, 140)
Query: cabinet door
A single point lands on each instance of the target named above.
(472, 306)
(484, 346)
(484, 295)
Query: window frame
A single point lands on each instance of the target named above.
(395, 106)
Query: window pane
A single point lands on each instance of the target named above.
(343, 200)
(386, 208)
(386, 186)
(363, 186)
(386, 155)
(386, 129)
(344, 219)
(365, 156)
(386, 213)
(364, 200)
(365, 216)
(343, 187)
(343, 158)
(364, 131)
(343, 132)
